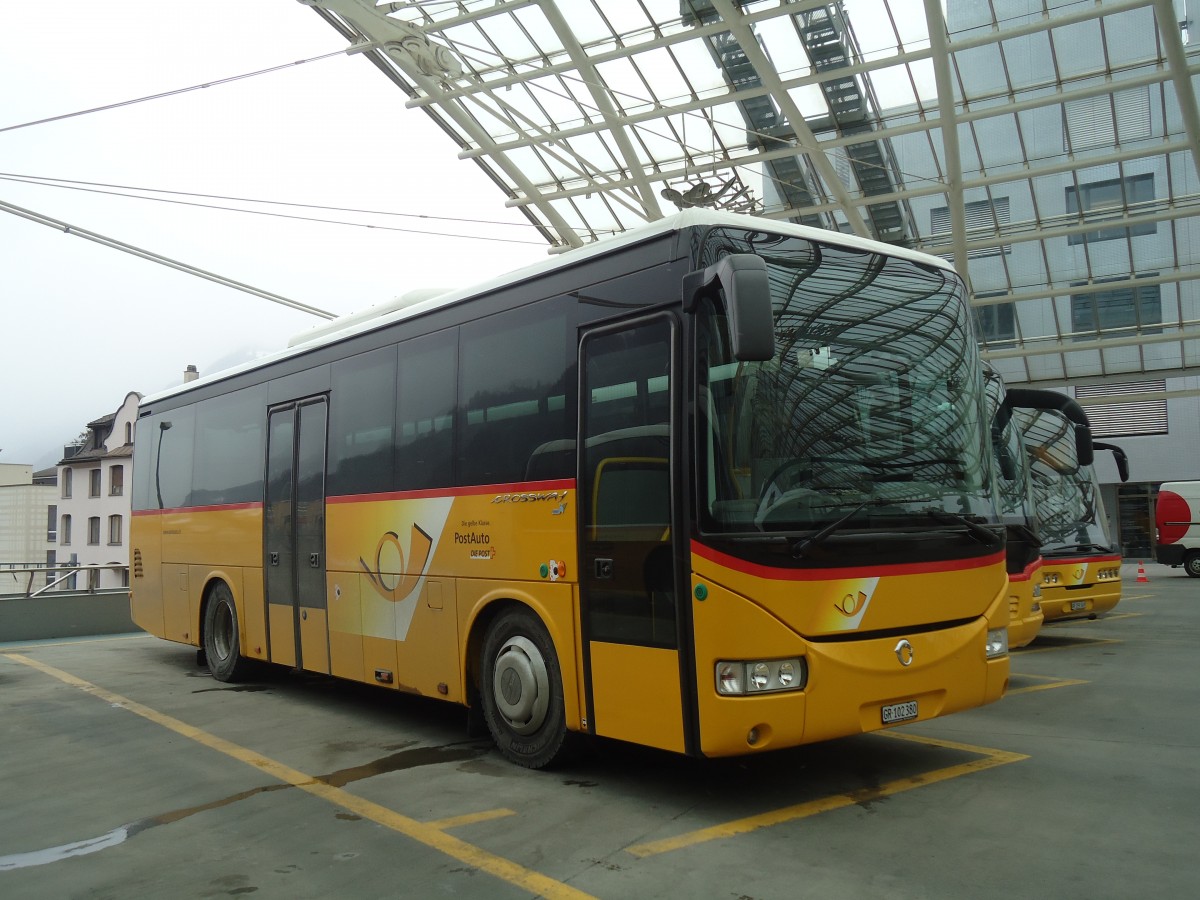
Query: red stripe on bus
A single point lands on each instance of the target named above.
(523, 487)
(1071, 560)
(1029, 570)
(781, 574)
(216, 507)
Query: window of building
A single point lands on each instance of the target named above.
(66, 483)
(114, 530)
(984, 218)
(93, 530)
(1107, 119)
(995, 323)
(51, 523)
(65, 531)
(116, 481)
(50, 563)
(1112, 198)
(1115, 419)
(1119, 312)
(128, 433)
(94, 483)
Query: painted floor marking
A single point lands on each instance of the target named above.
(469, 819)
(1053, 681)
(990, 759)
(424, 833)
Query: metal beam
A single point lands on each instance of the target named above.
(938, 40)
(806, 141)
(600, 96)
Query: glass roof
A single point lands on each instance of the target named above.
(1048, 148)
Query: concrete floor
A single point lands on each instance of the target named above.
(127, 772)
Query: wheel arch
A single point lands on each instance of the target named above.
(232, 579)
(560, 627)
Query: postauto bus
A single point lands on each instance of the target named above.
(1023, 555)
(717, 486)
(1081, 571)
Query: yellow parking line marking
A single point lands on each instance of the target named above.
(1060, 682)
(991, 759)
(1137, 597)
(88, 640)
(1122, 615)
(469, 854)
(469, 819)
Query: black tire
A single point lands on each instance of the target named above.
(1191, 564)
(521, 689)
(222, 645)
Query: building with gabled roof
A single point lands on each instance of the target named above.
(94, 480)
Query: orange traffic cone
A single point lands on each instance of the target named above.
(1142, 579)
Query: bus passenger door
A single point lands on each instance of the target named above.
(629, 531)
(294, 539)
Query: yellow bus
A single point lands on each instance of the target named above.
(717, 486)
(1023, 557)
(1081, 570)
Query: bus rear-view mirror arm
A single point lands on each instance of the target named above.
(1119, 458)
(742, 278)
(1028, 398)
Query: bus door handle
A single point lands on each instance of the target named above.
(603, 568)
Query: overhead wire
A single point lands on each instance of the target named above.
(171, 93)
(79, 186)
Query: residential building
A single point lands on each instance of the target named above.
(94, 484)
(28, 524)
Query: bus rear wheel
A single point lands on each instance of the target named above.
(222, 645)
(522, 690)
(1191, 564)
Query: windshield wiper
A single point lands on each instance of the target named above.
(802, 547)
(985, 536)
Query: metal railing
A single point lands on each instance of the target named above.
(91, 570)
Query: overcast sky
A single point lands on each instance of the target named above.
(81, 324)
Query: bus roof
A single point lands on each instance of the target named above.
(419, 301)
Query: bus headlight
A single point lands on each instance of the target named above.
(736, 678)
(997, 642)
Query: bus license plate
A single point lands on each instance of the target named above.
(1078, 604)
(899, 712)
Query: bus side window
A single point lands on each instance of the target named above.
(513, 370)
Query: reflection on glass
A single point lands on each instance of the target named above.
(870, 412)
(1068, 505)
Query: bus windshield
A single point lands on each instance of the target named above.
(1068, 506)
(871, 413)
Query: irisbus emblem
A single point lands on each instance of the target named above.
(904, 653)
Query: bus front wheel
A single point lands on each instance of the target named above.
(522, 690)
(1191, 564)
(222, 645)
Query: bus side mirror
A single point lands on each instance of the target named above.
(1083, 445)
(743, 279)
